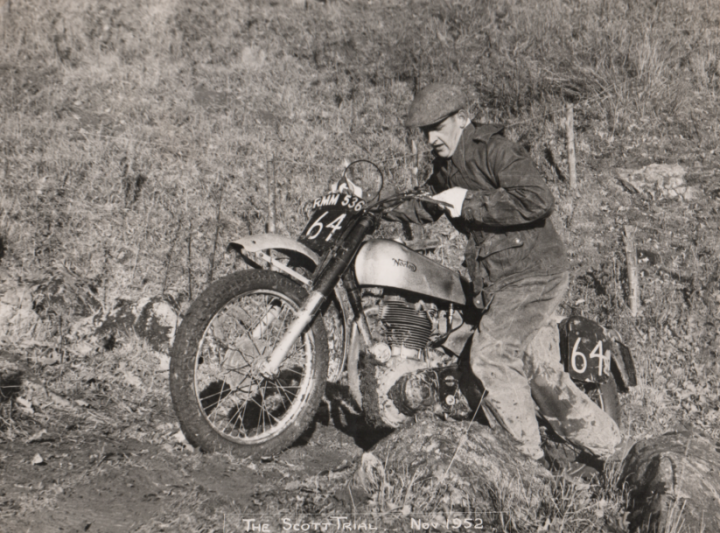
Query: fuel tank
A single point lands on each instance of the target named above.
(386, 263)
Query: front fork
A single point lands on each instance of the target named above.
(323, 285)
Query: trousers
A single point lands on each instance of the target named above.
(515, 353)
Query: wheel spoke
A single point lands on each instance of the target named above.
(242, 417)
(236, 421)
(260, 354)
(236, 402)
(219, 393)
(227, 348)
(282, 388)
(262, 409)
(284, 323)
(267, 319)
(267, 309)
(270, 335)
(228, 421)
(270, 415)
(291, 369)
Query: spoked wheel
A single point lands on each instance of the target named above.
(221, 399)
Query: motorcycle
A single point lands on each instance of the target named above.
(253, 353)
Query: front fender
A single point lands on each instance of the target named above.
(271, 241)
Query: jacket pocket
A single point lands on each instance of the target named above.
(497, 243)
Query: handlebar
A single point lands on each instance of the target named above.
(400, 198)
(377, 204)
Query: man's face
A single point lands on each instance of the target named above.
(444, 136)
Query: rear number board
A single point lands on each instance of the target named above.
(588, 351)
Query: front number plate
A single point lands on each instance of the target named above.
(331, 214)
(588, 351)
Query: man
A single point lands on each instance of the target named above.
(518, 267)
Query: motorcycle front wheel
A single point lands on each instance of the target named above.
(222, 401)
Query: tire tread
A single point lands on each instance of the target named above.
(182, 363)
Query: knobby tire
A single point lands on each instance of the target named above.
(298, 403)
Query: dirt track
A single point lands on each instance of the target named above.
(125, 123)
(97, 479)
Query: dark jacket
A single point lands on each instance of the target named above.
(505, 213)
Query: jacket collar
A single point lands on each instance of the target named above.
(473, 132)
(483, 132)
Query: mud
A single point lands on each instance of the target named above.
(70, 477)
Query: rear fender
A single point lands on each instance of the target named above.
(622, 360)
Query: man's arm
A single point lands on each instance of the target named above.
(521, 196)
(416, 211)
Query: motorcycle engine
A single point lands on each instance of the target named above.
(400, 380)
(407, 326)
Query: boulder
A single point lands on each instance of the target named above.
(45, 306)
(665, 181)
(63, 293)
(443, 470)
(674, 479)
(18, 320)
(153, 319)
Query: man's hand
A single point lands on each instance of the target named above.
(454, 198)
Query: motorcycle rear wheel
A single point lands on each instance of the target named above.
(605, 395)
(221, 400)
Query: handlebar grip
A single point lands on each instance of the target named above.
(431, 200)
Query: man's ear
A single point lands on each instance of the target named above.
(463, 118)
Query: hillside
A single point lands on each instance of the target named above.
(137, 138)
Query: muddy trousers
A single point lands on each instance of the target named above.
(516, 355)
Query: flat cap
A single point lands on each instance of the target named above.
(434, 103)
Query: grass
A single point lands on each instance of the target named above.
(136, 140)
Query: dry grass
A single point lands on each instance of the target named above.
(135, 141)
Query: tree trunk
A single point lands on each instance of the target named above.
(674, 482)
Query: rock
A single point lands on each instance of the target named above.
(453, 467)
(667, 181)
(674, 477)
(47, 305)
(16, 315)
(18, 319)
(153, 319)
(65, 294)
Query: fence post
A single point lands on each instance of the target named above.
(569, 127)
(416, 162)
(272, 197)
(632, 270)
